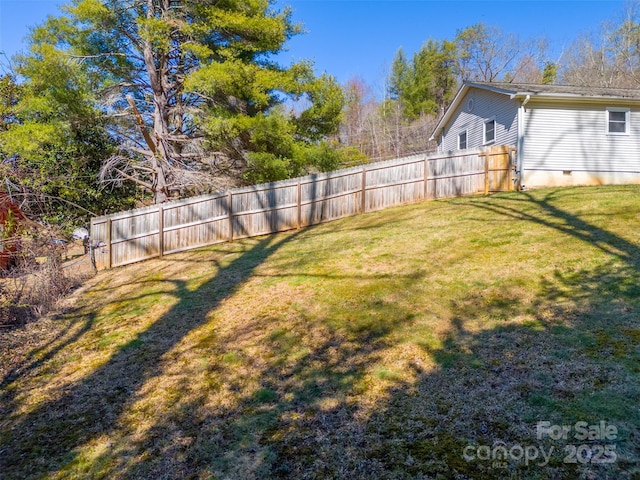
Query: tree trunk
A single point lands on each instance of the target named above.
(158, 72)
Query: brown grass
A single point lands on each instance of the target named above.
(38, 285)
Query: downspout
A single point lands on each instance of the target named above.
(520, 146)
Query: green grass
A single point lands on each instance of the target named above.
(378, 346)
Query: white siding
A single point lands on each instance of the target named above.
(573, 138)
(486, 105)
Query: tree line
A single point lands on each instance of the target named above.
(419, 88)
(123, 102)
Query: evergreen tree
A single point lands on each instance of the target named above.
(188, 89)
(427, 84)
(53, 141)
(401, 78)
(550, 73)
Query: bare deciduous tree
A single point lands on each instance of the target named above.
(609, 57)
(487, 54)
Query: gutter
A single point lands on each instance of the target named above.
(576, 97)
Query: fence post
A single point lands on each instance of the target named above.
(363, 204)
(109, 255)
(299, 219)
(92, 257)
(161, 230)
(230, 211)
(486, 173)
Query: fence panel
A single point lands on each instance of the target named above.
(455, 176)
(499, 168)
(98, 238)
(129, 237)
(329, 196)
(153, 231)
(264, 209)
(201, 221)
(391, 185)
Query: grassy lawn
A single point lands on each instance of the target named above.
(409, 343)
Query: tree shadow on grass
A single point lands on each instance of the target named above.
(281, 396)
(562, 364)
(39, 356)
(565, 223)
(571, 354)
(46, 437)
(291, 393)
(566, 353)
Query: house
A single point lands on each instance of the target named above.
(564, 135)
(10, 218)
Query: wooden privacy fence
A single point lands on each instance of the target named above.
(157, 230)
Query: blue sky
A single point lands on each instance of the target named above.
(360, 37)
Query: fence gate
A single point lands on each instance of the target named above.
(499, 162)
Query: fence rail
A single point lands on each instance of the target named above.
(154, 231)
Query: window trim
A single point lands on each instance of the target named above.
(627, 120)
(466, 139)
(484, 131)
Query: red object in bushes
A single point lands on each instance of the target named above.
(10, 218)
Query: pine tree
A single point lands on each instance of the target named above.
(188, 89)
(427, 84)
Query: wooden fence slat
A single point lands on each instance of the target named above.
(109, 245)
(426, 178)
(160, 231)
(299, 212)
(363, 208)
(230, 213)
(486, 174)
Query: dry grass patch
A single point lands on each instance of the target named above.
(374, 347)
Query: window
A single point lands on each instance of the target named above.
(462, 140)
(618, 121)
(490, 130)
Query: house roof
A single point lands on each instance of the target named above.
(550, 92)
